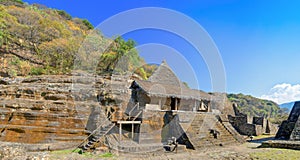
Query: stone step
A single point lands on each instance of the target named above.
(94, 138)
(148, 140)
(141, 148)
(180, 148)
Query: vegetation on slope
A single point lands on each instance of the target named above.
(258, 107)
(35, 39)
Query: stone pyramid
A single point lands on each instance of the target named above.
(290, 129)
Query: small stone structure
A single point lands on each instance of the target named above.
(290, 128)
(166, 108)
(251, 126)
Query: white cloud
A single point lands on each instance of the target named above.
(283, 93)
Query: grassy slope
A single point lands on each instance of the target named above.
(258, 107)
(35, 40)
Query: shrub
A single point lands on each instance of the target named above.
(15, 61)
(12, 73)
(37, 71)
(24, 68)
(88, 24)
(64, 14)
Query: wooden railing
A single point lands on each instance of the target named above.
(101, 125)
(135, 117)
(136, 106)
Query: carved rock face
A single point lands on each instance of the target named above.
(46, 109)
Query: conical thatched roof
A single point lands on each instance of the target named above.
(164, 75)
(164, 83)
(164, 90)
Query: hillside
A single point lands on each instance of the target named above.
(37, 40)
(258, 107)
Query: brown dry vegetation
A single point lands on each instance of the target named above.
(38, 40)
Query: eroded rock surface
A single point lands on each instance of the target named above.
(52, 109)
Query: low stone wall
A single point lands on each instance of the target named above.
(273, 128)
(281, 144)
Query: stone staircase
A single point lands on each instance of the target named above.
(225, 137)
(96, 135)
(226, 124)
(199, 132)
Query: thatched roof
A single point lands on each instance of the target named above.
(164, 83)
(164, 90)
(164, 75)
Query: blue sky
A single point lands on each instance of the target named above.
(258, 40)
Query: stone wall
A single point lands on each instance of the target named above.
(258, 121)
(296, 131)
(186, 105)
(151, 129)
(248, 125)
(161, 126)
(192, 129)
(281, 144)
(273, 128)
(51, 109)
(243, 127)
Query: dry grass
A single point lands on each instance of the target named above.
(68, 154)
(276, 154)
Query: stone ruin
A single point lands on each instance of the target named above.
(56, 112)
(160, 109)
(251, 126)
(290, 128)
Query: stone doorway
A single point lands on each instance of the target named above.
(174, 103)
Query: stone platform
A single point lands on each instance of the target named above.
(281, 144)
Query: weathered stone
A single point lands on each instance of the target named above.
(248, 125)
(44, 109)
(281, 144)
(290, 129)
(3, 82)
(55, 97)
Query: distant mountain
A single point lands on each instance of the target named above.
(254, 106)
(289, 105)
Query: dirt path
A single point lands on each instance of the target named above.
(225, 152)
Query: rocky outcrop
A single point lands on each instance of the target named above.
(52, 109)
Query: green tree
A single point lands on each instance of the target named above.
(87, 24)
(120, 56)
